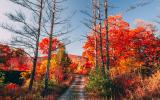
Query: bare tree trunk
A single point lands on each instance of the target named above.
(101, 44)
(94, 4)
(107, 39)
(101, 52)
(96, 51)
(50, 45)
(37, 47)
(107, 47)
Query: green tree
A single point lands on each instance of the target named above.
(63, 59)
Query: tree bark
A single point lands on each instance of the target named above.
(37, 47)
(107, 38)
(50, 45)
(101, 44)
(94, 4)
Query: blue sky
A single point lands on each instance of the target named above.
(147, 13)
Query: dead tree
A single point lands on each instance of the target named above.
(100, 39)
(28, 35)
(53, 9)
(94, 9)
(37, 45)
(107, 39)
(55, 20)
(91, 23)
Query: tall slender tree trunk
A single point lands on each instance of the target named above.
(50, 45)
(101, 44)
(37, 47)
(107, 47)
(94, 4)
(107, 39)
(101, 53)
(96, 53)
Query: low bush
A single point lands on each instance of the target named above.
(1, 79)
(97, 84)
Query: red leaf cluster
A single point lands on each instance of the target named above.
(44, 45)
(124, 42)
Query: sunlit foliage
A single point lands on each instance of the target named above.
(134, 57)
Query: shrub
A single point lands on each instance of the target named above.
(1, 79)
(25, 75)
(51, 83)
(152, 84)
(12, 90)
(97, 84)
(127, 86)
(11, 86)
(133, 86)
(125, 66)
(72, 67)
(59, 75)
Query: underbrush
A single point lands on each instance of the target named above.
(13, 91)
(97, 85)
(130, 86)
(137, 87)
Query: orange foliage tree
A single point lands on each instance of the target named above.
(43, 45)
(58, 59)
(134, 52)
(13, 59)
(125, 42)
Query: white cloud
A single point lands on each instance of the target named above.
(5, 6)
(150, 26)
(5, 35)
